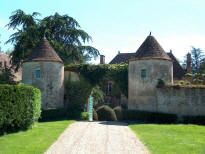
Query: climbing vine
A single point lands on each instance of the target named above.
(95, 74)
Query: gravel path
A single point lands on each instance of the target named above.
(98, 138)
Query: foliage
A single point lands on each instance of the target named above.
(53, 114)
(160, 83)
(98, 95)
(119, 113)
(150, 117)
(194, 120)
(95, 74)
(171, 139)
(84, 116)
(95, 115)
(20, 107)
(6, 76)
(197, 57)
(77, 93)
(62, 31)
(33, 141)
(105, 113)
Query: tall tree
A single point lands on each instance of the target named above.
(197, 58)
(62, 31)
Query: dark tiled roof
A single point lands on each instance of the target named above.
(122, 58)
(44, 52)
(178, 71)
(150, 48)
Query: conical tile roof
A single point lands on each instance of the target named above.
(44, 52)
(150, 48)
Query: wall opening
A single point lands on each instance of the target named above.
(143, 73)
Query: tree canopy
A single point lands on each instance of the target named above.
(62, 31)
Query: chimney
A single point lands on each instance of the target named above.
(188, 66)
(102, 59)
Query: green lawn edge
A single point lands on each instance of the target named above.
(172, 138)
(33, 141)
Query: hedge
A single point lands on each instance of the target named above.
(53, 114)
(105, 113)
(150, 117)
(20, 107)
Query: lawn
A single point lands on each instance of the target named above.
(33, 141)
(171, 139)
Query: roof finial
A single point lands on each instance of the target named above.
(170, 50)
(119, 52)
(150, 33)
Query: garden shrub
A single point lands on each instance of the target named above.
(53, 114)
(20, 107)
(119, 113)
(150, 117)
(105, 113)
(194, 120)
(95, 115)
(84, 116)
(77, 93)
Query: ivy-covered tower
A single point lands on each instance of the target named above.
(151, 63)
(44, 69)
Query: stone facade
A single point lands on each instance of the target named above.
(142, 90)
(50, 81)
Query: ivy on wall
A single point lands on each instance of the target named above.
(94, 74)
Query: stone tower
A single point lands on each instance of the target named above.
(150, 64)
(45, 70)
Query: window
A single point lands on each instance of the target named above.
(38, 74)
(143, 73)
(109, 87)
(1, 64)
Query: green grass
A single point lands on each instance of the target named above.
(33, 141)
(171, 139)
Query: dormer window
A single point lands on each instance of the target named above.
(143, 73)
(38, 74)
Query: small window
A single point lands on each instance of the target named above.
(38, 74)
(143, 73)
(108, 88)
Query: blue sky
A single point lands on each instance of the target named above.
(119, 25)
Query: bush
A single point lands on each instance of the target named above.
(95, 115)
(20, 107)
(119, 113)
(160, 83)
(53, 114)
(194, 120)
(150, 117)
(105, 113)
(84, 116)
(77, 93)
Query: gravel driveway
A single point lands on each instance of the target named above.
(98, 138)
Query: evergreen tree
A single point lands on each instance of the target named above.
(62, 31)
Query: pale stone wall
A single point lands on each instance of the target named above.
(182, 101)
(72, 75)
(51, 82)
(142, 91)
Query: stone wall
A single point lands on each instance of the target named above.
(51, 81)
(182, 101)
(72, 76)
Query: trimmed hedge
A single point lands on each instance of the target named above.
(151, 117)
(105, 113)
(194, 120)
(119, 112)
(20, 107)
(53, 114)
